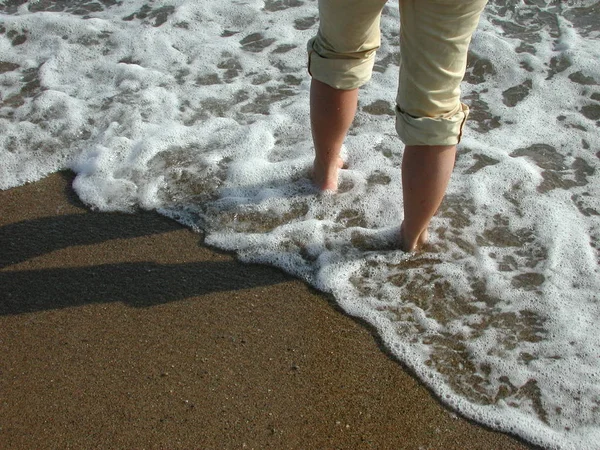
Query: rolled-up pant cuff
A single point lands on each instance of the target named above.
(340, 73)
(445, 130)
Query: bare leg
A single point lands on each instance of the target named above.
(426, 172)
(331, 114)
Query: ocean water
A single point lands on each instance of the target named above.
(199, 110)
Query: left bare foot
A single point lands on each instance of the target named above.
(326, 178)
(411, 243)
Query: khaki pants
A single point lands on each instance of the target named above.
(434, 40)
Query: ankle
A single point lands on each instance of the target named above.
(411, 242)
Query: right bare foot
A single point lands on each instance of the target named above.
(326, 178)
(411, 243)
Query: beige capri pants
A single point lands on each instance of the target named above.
(434, 41)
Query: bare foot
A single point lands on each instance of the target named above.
(410, 243)
(326, 178)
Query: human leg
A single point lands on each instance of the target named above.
(426, 172)
(341, 59)
(331, 114)
(435, 36)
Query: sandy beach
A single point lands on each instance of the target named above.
(125, 331)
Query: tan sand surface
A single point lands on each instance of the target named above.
(126, 332)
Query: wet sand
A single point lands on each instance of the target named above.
(125, 331)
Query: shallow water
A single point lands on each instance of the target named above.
(200, 110)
